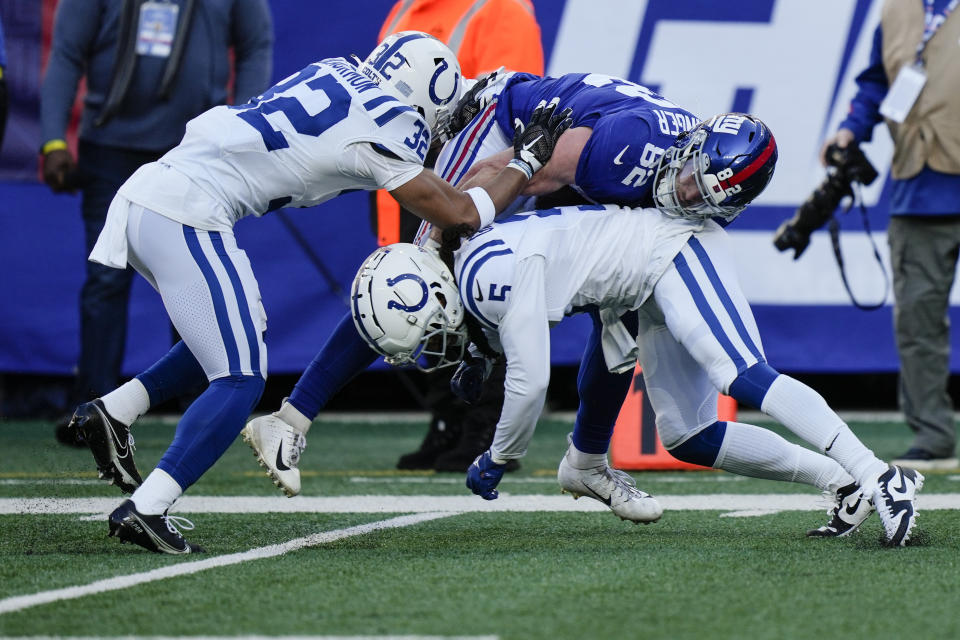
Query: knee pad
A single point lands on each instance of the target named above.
(752, 385)
(703, 447)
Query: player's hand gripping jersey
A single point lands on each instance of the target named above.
(631, 126)
(320, 132)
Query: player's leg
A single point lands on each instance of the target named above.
(278, 439)
(103, 424)
(685, 403)
(584, 470)
(707, 313)
(213, 300)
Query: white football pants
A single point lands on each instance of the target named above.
(697, 333)
(208, 289)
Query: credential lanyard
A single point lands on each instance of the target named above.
(931, 23)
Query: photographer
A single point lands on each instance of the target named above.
(910, 84)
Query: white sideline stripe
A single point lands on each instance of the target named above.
(447, 504)
(392, 637)
(18, 603)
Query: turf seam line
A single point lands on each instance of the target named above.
(18, 603)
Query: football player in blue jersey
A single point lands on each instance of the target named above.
(334, 126)
(669, 271)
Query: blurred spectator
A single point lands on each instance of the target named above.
(914, 55)
(149, 68)
(485, 35)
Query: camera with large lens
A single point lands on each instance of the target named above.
(845, 165)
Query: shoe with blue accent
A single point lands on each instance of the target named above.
(850, 509)
(154, 533)
(894, 497)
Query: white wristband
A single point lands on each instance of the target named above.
(483, 203)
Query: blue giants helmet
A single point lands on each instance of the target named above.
(716, 169)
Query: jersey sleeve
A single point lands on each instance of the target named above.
(401, 131)
(524, 334)
(619, 161)
(382, 169)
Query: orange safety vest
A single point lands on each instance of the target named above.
(484, 34)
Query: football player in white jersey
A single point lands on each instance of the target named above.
(332, 127)
(669, 273)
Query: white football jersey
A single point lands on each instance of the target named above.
(601, 255)
(296, 145)
(524, 273)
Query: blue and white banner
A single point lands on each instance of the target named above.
(791, 62)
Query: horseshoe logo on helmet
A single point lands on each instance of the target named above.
(441, 67)
(393, 304)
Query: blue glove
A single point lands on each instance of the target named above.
(484, 475)
(467, 381)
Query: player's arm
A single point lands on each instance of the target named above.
(559, 172)
(524, 334)
(525, 338)
(434, 200)
(252, 31)
(74, 30)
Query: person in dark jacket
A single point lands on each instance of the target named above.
(149, 67)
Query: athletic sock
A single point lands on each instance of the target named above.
(292, 416)
(580, 460)
(855, 457)
(802, 410)
(806, 413)
(156, 494)
(127, 402)
(752, 451)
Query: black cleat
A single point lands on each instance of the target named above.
(110, 443)
(65, 433)
(154, 533)
(848, 512)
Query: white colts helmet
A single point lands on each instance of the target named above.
(421, 71)
(406, 306)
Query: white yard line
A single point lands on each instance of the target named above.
(18, 603)
(446, 504)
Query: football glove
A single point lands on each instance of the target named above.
(484, 475)
(533, 144)
(471, 104)
(467, 381)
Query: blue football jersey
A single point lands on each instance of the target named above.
(632, 126)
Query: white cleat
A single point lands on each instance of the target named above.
(893, 496)
(277, 447)
(613, 487)
(849, 510)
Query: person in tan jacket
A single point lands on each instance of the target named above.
(915, 49)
